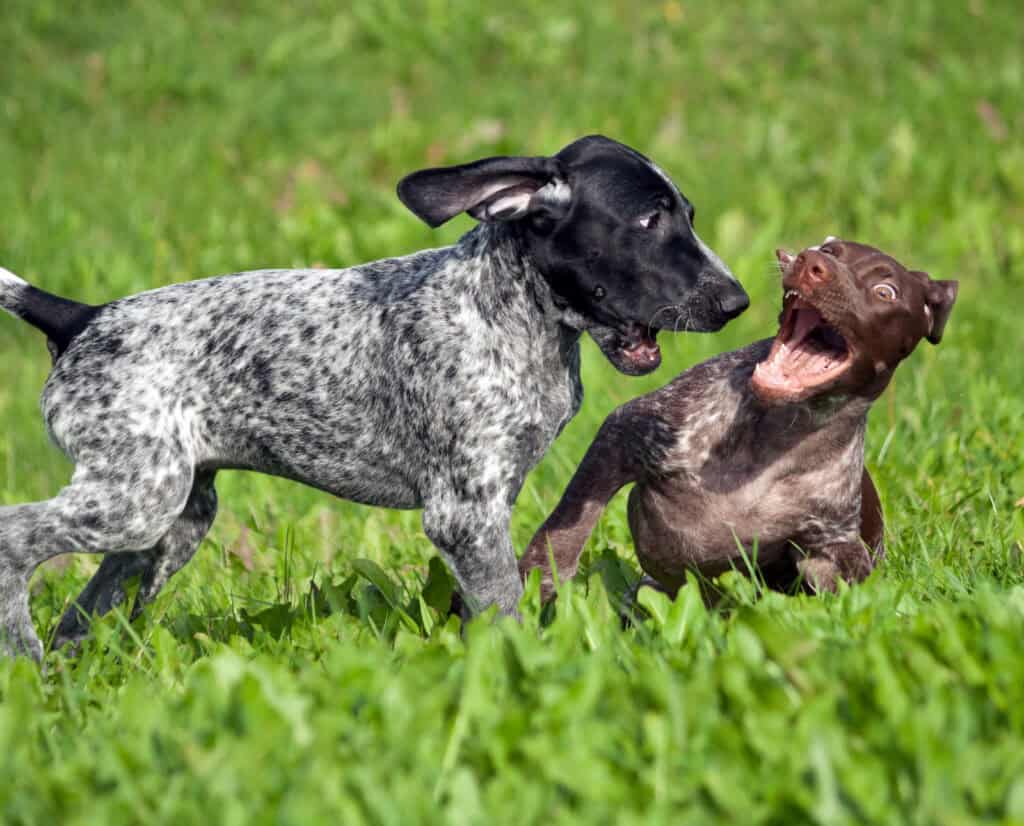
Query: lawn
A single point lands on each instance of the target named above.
(299, 670)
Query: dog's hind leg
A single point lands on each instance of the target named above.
(179, 544)
(100, 511)
(155, 567)
(102, 593)
(872, 519)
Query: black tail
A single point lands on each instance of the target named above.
(59, 318)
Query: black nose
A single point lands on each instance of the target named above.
(733, 301)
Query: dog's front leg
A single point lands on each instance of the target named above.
(473, 538)
(611, 462)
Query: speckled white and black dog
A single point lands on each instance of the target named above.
(433, 381)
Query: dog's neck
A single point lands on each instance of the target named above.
(500, 269)
(742, 429)
(840, 411)
(808, 434)
(837, 420)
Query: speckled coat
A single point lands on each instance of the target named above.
(293, 373)
(433, 381)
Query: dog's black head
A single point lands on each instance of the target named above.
(609, 231)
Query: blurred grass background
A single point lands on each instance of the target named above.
(145, 143)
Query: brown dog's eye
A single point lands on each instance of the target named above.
(886, 292)
(829, 249)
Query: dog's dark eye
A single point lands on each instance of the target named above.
(650, 221)
(829, 249)
(886, 292)
(599, 292)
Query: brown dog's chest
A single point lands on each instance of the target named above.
(678, 525)
(743, 483)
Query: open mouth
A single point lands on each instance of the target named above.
(638, 348)
(808, 355)
(632, 348)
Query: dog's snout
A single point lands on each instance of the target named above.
(812, 268)
(733, 300)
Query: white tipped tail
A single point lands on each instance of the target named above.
(8, 277)
(11, 290)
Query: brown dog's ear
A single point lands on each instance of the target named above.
(939, 299)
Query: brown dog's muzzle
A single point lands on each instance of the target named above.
(812, 270)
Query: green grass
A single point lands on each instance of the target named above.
(298, 671)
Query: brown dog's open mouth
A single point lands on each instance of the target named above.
(808, 355)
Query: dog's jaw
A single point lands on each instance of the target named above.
(634, 351)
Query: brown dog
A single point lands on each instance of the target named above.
(760, 452)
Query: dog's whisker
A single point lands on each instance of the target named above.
(659, 311)
(418, 404)
(683, 314)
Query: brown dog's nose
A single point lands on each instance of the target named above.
(812, 268)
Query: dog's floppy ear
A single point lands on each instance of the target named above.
(492, 189)
(939, 298)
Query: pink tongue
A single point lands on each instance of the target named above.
(644, 351)
(801, 359)
(806, 320)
